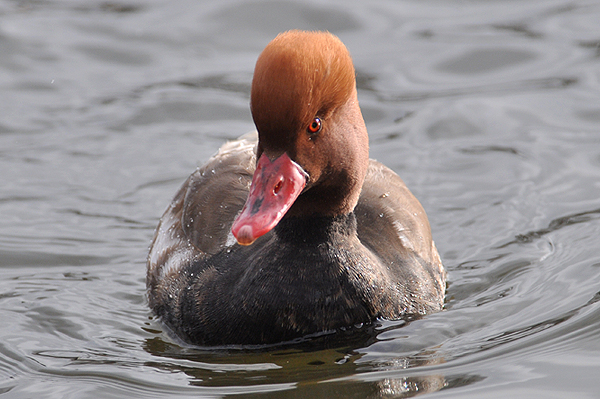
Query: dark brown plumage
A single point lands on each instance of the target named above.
(355, 245)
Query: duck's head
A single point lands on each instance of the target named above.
(313, 146)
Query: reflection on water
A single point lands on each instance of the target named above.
(487, 109)
(336, 357)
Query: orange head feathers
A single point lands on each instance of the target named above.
(298, 76)
(313, 147)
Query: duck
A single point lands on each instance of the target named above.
(292, 231)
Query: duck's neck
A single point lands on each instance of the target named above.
(316, 229)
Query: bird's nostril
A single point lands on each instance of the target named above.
(277, 187)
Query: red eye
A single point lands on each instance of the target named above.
(315, 126)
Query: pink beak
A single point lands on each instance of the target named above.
(275, 186)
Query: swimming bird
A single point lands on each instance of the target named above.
(292, 230)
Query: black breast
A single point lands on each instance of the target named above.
(307, 276)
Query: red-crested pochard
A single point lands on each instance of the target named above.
(296, 231)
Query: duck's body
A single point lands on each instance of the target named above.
(336, 239)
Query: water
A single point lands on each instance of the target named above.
(490, 111)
